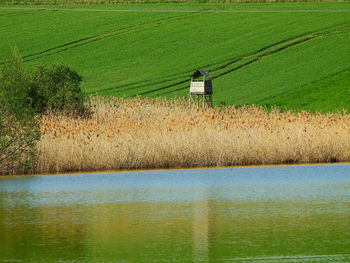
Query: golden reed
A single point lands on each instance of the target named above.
(159, 133)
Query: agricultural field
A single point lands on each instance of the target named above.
(293, 55)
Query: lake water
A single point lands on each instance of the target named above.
(262, 214)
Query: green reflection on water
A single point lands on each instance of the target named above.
(198, 231)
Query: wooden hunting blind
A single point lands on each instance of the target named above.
(201, 88)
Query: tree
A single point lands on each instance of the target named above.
(19, 130)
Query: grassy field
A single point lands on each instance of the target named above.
(294, 55)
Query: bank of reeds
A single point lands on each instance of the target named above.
(159, 133)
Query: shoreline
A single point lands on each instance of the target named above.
(94, 172)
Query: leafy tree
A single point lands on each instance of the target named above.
(19, 130)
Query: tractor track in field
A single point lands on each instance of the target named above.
(103, 36)
(15, 14)
(166, 87)
(237, 63)
(141, 84)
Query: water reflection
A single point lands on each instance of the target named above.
(201, 226)
(185, 216)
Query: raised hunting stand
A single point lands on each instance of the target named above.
(201, 89)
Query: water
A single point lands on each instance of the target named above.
(267, 214)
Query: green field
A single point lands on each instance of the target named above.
(294, 55)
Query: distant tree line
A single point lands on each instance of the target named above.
(25, 93)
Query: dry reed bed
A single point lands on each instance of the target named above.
(159, 133)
